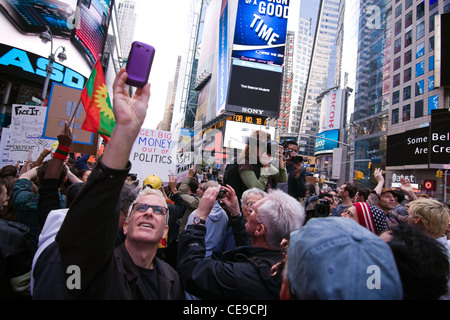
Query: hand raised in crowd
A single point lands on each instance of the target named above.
(207, 202)
(129, 110)
(65, 137)
(406, 187)
(378, 174)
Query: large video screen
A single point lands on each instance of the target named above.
(32, 16)
(92, 27)
(260, 34)
(254, 88)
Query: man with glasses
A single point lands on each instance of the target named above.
(295, 185)
(95, 268)
(246, 272)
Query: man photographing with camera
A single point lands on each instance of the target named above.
(295, 185)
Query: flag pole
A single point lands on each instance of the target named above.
(79, 101)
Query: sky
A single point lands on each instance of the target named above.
(162, 24)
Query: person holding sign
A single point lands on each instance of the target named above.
(96, 269)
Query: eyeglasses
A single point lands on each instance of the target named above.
(249, 205)
(143, 207)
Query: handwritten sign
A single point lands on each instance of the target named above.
(154, 152)
(26, 140)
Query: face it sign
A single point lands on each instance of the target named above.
(260, 34)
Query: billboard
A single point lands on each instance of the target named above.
(331, 110)
(91, 29)
(254, 88)
(260, 32)
(326, 141)
(23, 21)
(428, 145)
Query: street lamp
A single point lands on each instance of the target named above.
(47, 36)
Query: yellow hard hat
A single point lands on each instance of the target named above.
(153, 181)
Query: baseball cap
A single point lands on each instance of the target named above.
(334, 258)
(153, 181)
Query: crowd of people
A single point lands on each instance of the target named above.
(74, 230)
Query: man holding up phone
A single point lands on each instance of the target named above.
(87, 237)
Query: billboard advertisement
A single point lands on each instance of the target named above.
(326, 142)
(254, 88)
(428, 145)
(91, 29)
(260, 32)
(331, 110)
(23, 21)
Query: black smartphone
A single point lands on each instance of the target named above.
(221, 194)
(139, 64)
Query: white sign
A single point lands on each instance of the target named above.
(154, 152)
(330, 112)
(26, 140)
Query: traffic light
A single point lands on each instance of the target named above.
(359, 175)
(439, 174)
(370, 164)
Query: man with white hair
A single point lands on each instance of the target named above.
(247, 271)
(97, 269)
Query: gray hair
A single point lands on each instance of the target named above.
(145, 192)
(281, 214)
(252, 190)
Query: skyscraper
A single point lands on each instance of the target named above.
(315, 63)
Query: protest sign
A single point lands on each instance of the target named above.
(154, 152)
(26, 140)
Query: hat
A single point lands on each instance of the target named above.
(153, 181)
(371, 217)
(334, 258)
(384, 190)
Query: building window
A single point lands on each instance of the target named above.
(396, 80)
(420, 67)
(407, 75)
(406, 93)
(395, 116)
(420, 50)
(398, 27)
(431, 63)
(433, 4)
(397, 63)
(408, 38)
(408, 3)
(420, 30)
(396, 97)
(431, 83)
(408, 19)
(398, 11)
(431, 44)
(398, 45)
(420, 87)
(420, 10)
(431, 26)
(418, 109)
(406, 112)
(408, 57)
(433, 103)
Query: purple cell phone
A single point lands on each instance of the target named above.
(139, 64)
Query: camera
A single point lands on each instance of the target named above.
(322, 209)
(221, 194)
(295, 159)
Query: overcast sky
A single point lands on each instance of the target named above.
(162, 24)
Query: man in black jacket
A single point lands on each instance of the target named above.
(246, 272)
(95, 268)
